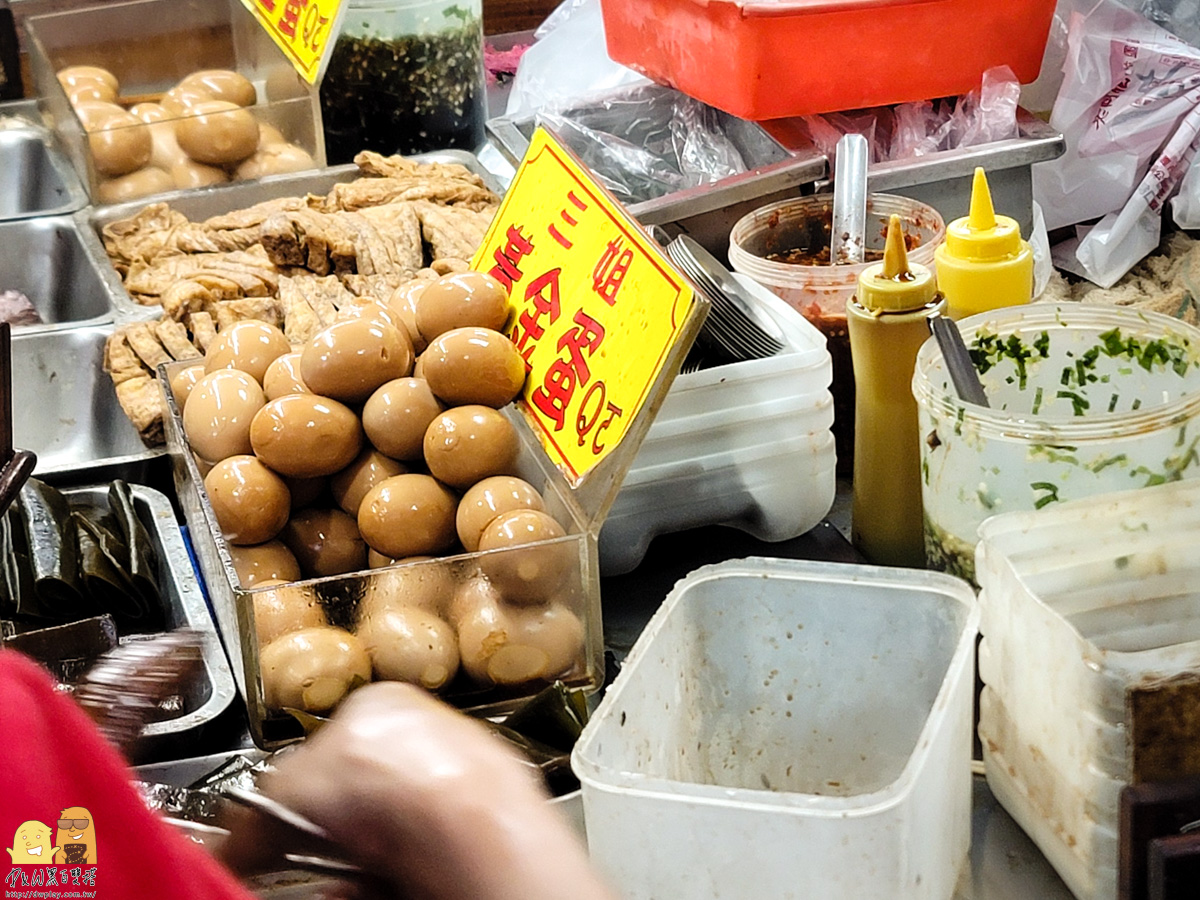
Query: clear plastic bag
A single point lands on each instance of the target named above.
(568, 63)
(1129, 109)
(647, 142)
(922, 127)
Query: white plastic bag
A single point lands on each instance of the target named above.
(1128, 110)
(569, 63)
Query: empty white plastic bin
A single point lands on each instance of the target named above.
(788, 729)
(1090, 613)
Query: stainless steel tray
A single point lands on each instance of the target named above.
(184, 607)
(707, 212)
(943, 179)
(35, 178)
(45, 260)
(201, 204)
(65, 408)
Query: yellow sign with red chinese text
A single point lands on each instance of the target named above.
(302, 29)
(597, 306)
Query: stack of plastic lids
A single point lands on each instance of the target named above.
(746, 444)
(1091, 664)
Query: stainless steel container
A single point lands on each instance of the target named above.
(943, 179)
(45, 259)
(35, 178)
(184, 607)
(65, 408)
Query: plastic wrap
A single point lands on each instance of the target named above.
(648, 142)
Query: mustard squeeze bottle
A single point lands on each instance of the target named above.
(983, 263)
(888, 321)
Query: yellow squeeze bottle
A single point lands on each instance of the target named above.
(888, 321)
(983, 263)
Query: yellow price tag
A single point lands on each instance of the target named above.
(597, 306)
(302, 29)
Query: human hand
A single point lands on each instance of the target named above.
(429, 801)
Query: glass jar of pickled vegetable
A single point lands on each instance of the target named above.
(405, 76)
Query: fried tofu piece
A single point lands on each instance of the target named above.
(175, 339)
(142, 401)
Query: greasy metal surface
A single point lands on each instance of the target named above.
(35, 179)
(201, 204)
(45, 259)
(64, 406)
(184, 607)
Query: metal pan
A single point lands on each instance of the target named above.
(66, 411)
(201, 204)
(35, 179)
(45, 260)
(184, 607)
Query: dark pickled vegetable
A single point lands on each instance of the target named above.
(408, 94)
(60, 563)
(53, 557)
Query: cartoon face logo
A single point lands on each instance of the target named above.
(76, 837)
(31, 844)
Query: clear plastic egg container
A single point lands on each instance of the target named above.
(125, 162)
(561, 639)
(510, 643)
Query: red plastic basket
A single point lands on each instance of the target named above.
(765, 60)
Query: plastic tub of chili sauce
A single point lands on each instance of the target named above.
(784, 246)
(759, 59)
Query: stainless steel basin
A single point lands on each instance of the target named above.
(35, 179)
(45, 259)
(64, 406)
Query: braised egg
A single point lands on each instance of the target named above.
(397, 415)
(219, 413)
(466, 444)
(473, 365)
(488, 499)
(352, 357)
(251, 503)
(408, 515)
(325, 542)
(249, 346)
(312, 669)
(305, 435)
(369, 468)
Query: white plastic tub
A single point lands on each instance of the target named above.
(774, 492)
(731, 445)
(788, 729)
(1091, 664)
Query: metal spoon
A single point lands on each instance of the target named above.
(849, 233)
(958, 361)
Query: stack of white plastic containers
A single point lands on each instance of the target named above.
(746, 444)
(1091, 664)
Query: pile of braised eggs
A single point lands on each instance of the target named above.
(354, 452)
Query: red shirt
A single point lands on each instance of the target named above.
(53, 757)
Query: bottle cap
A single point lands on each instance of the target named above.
(895, 284)
(982, 235)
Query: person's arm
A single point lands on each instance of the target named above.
(430, 800)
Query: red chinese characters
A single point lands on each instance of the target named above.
(610, 271)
